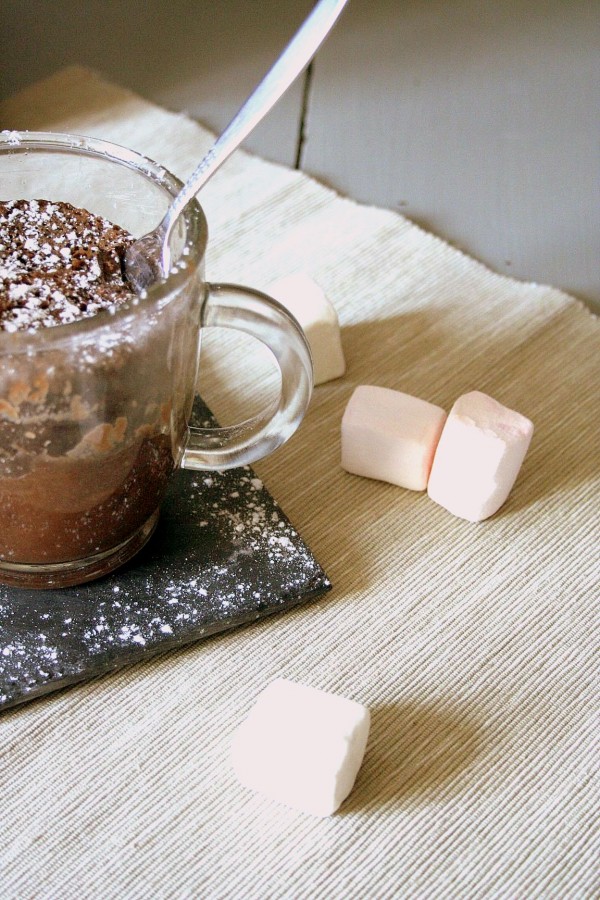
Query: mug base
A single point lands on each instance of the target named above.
(68, 574)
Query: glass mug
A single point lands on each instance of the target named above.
(94, 415)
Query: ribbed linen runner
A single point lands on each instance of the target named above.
(474, 645)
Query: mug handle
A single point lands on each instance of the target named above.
(262, 317)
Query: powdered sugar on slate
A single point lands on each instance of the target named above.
(224, 554)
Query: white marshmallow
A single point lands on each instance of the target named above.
(301, 746)
(318, 319)
(390, 436)
(478, 458)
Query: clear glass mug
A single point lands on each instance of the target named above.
(94, 415)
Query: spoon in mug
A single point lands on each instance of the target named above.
(148, 259)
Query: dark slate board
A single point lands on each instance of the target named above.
(223, 554)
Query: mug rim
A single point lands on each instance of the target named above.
(192, 253)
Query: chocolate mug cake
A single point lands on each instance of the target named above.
(97, 383)
(79, 471)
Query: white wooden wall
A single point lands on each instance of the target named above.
(478, 119)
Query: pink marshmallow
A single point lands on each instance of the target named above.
(317, 317)
(480, 452)
(301, 746)
(390, 436)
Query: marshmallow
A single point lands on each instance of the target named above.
(301, 746)
(478, 458)
(318, 319)
(390, 436)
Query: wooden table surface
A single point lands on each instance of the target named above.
(478, 121)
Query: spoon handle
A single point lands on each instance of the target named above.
(288, 66)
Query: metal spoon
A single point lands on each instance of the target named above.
(149, 259)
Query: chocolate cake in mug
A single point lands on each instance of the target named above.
(96, 383)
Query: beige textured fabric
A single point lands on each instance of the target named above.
(475, 646)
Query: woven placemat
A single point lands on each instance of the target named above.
(474, 645)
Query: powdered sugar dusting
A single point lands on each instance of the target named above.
(224, 554)
(58, 264)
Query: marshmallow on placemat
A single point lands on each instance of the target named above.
(317, 316)
(301, 746)
(479, 455)
(390, 436)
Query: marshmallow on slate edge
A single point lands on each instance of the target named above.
(317, 316)
(301, 746)
(478, 457)
(390, 436)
